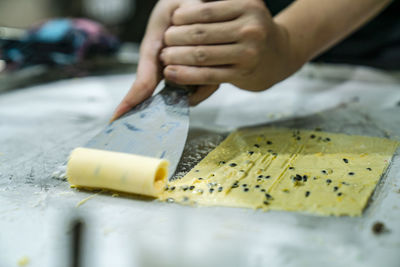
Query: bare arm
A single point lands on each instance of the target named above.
(314, 26)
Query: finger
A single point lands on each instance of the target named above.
(189, 75)
(149, 68)
(201, 34)
(148, 76)
(207, 12)
(202, 55)
(202, 93)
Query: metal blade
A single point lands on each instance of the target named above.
(158, 127)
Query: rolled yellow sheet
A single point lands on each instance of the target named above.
(93, 168)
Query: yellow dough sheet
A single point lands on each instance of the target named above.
(93, 168)
(284, 169)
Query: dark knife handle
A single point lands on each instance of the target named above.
(187, 89)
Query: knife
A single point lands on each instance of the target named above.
(157, 127)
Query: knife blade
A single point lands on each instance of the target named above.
(157, 127)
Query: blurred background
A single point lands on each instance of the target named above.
(124, 18)
(48, 40)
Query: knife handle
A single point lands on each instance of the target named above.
(188, 89)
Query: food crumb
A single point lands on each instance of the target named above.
(24, 261)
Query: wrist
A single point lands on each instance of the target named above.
(292, 57)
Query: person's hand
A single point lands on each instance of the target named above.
(231, 41)
(149, 72)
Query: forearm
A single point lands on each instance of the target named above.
(313, 26)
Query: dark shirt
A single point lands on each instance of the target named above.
(376, 44)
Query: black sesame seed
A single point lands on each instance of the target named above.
(346, 160)
(191, 187)
(172, 188)
(166, 188)
(307, 193)
(379, 227)
(275, 154)
(220, 189)
(369, 169)
(185, 188)
(291, 168)
(324, 172)
(263, 190)
(235, 186)
(269, 143)
(345, 183)
(312, 136)
(267, 177)
(244, 185)
(245, 189)
(305, 177)
(260, 176)
(268, 196)
(266, 203)
(339, 194)
(233, 164)
(335, 188)
(327, 139)
(314, 178)
(196, 170)
(257, 145)
(298, 138)
(328, 181)
(199, 178)
(222, 162)
(351, 173)
(257, 186)
(211, 190)
(250, 152)
(298, 177)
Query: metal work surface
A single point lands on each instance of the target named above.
(40, 125)
(157, 128)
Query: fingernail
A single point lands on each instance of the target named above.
(171, 74)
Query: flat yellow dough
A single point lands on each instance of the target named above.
(283, 169)
(93, 168)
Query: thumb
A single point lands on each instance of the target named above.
(149, 68)
(147, 78)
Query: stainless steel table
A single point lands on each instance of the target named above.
(40, 125)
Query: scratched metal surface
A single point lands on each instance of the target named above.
(156, 128)
(40, 125)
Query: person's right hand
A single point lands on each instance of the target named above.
(149, 72)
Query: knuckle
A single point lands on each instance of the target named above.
(198, 34)
(200, 55)
(250, 53)
(253, 32)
